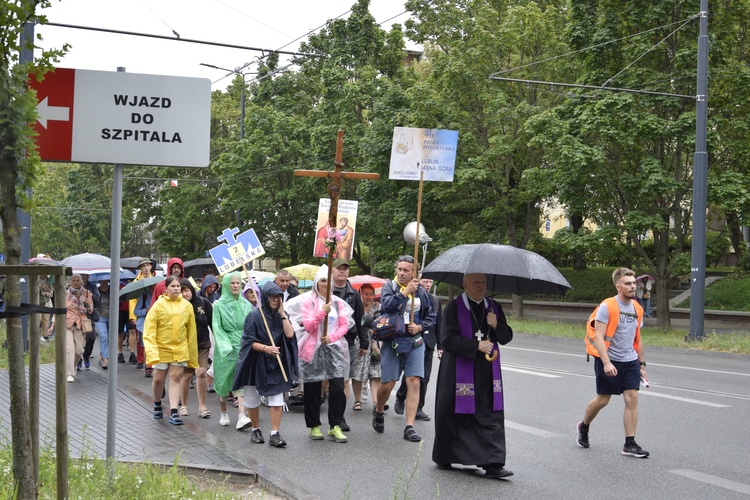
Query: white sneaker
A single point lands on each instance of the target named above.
(224, 419)
(243, 422)
(70, 378)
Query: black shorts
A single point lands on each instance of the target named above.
(628, 377)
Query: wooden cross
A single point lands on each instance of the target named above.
(334, 190)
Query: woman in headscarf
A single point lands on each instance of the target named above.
(228, 324)
(203, 311)
(171, 344)
(258, 369)
(79, 305)
(322, 357)
(251, 292)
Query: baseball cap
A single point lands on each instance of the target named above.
(340, 262)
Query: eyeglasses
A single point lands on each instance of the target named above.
(406, 258)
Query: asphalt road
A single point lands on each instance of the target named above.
(694, 420)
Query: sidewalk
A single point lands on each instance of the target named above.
(138, 437)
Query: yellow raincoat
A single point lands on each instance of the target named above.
(169, 333)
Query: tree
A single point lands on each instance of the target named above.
(628, 158)
(19, 167)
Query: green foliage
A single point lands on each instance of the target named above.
(89, 477)
(727, 294)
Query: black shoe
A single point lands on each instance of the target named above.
(422, 416)
(257, 437)
(277, 441)
(378, 421)
(139, 366)
(497, 472)
(79, 366)
(583, 436)
(344, 426)
(148, 373)
(120, 358)
(633, 450)
(399, 407)
(445, 466)
(411, 435)
(133, 359)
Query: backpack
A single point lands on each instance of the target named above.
(614, 318)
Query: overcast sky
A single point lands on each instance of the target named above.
(264, 24)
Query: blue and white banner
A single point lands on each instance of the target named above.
(416, 150)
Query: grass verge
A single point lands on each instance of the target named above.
(726, 342)
(89, 477)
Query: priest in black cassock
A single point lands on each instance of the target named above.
(469, 411)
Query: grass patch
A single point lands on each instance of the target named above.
(728, 294)
(736, 342)
(46, 351)
(89, 477)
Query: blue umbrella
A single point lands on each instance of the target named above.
(125, 274)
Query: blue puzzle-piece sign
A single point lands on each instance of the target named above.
(236, 252)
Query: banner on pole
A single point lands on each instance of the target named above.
(235, 252)
(343, 233)
(415, 150)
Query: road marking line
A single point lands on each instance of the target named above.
(714, 480)
(529, 372)
(684, 400)
(581, 355)
(531, 430)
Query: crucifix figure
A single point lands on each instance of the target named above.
(334, 190)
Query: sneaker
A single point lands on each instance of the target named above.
(71, 379)
(337, 434)
(224, 419)
(158, 411)
(633, 450)
(79, 366)
(411, 435)
(139, 366)
(210, 389)
(257, 436)
(175, 419)
(315, 434)
(422, 416)
(86, 364)
(132, 360)
(583, 436)
(277, 441)
(378, 421)
(120, 358)
(344, 426)
(148, 373)
(243, 422)
(399, 407)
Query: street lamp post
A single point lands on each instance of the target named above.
(242, 99)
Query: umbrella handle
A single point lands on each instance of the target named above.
(491, 358)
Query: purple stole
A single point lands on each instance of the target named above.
(465, 366)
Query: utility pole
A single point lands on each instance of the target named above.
(700, 189)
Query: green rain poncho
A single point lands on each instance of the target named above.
(228, 324)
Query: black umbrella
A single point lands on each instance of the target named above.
(508, 269)
(135, 289)
(198, 268)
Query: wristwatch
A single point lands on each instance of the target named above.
(642, 363)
